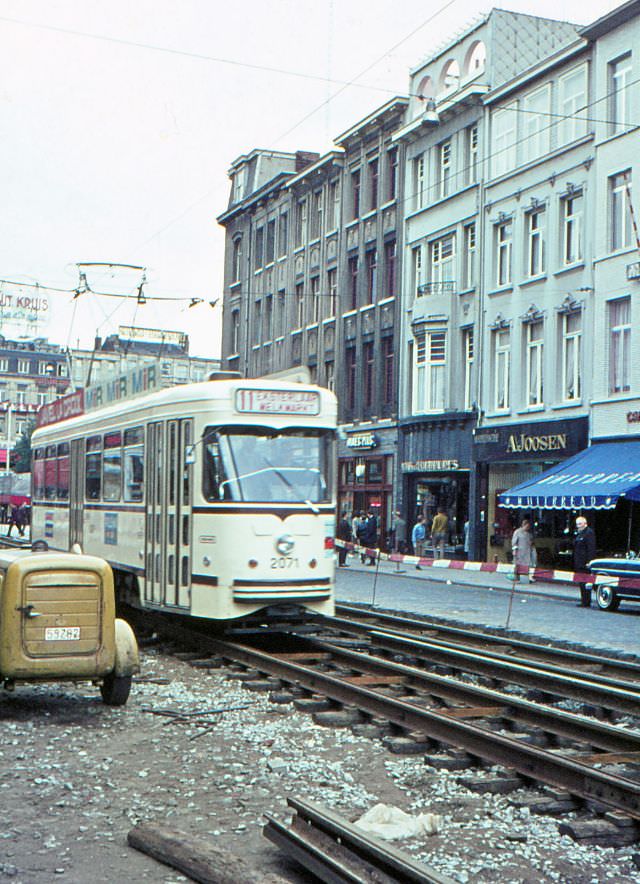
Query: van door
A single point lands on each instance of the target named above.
(76, 493)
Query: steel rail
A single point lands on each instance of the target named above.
(548, 718)
(338, 852)
(547, 767)
(574, 686)
(532, 650)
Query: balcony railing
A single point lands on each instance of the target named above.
(446, 287)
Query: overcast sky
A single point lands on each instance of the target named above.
(117, 134)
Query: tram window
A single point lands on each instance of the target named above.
(112, 466)
(50, 478)
(38, 474)
(185, 571)
(213, 474)
(63, 471)
(93, 467)
(133, 472)
(134, 436)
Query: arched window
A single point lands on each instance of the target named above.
(424, 92)
(237, 259)
(476, 58)
(450, 77)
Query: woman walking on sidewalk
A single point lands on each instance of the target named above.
(522, 547)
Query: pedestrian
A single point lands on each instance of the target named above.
(465, 533)
(584, 549)
(368, 536)
(399, 532)
(14, 519)
(439, 528)
(418, 536)
(343, 533)
(521, 546)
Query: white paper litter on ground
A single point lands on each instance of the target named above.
(391, 823)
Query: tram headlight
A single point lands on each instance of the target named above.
(285, 544)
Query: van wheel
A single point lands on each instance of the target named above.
(115, 689)
(606, 599)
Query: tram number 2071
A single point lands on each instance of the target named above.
(284, 562)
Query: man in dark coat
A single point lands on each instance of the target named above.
(584, 549)
(343, 533)
(367, 535)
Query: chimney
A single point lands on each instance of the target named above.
(305, 158)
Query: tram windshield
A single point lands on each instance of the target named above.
(262, 465)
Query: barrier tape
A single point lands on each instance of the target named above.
(548, 575)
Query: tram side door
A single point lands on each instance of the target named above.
(76, 492)
(154, 506)
(178, 514)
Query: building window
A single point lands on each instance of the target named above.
(235, 331)
(504, 238)
(571, 356)
(355, 194)
(257, 322)
(23, 366)
(430, 366)
(442, 262)
(620, 345)
(236, 268)
(301, 223)
(444, 169)
(469, 257)
(316, 215)
(535, 242)
(535, 124)
(315, 299)
(571, 213)
(283, 234)
(350, 360)
(332, 288)
(21, 398)
(268, 318)
(416, 271)
(467, 362)
(372, 274)
(392, 173)
(572, 104)
(471, 157)
(329, 375)
(373, 167)
(534, 356)
(390, 268)
(419, 182)
(387, 365)
(271, 242)
(353, 282)
(333, 208)
(259, 249)
(503, 152)
(368, 359)
(620, 93)
(4, 364)
(299, 297)
(501, 369)
(620, 207)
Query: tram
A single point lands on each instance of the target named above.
(212, 500)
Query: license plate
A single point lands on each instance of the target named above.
(61, 633)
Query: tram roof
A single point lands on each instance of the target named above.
(218, 396)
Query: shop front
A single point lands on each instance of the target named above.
(366, 463)
(435, 464)
(507, 456)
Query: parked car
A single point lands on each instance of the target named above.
(610, 594)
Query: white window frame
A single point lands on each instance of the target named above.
(536, 246)
(536, 107)
(504, 253)
(430, 365)
(571, 356)
(621, 227)
(572, 102)
(236, 260)
(619, 345)
(23, 366)
(443, 256)
(534, 368)
(332, 286)
(334, 202)
(467, 359)
(469, 257)
(503, 129)
(419, 181)
(472, 145)
(501, 369)
(315, 299)
(417, 265)
(620, 93)
(4, 364)
(445, 164)
(21, 398)
(572, 212)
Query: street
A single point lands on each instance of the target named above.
(546, 610)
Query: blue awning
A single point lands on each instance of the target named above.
(594, 479)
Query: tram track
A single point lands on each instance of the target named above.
(587, 760)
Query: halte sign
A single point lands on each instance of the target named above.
(362, 440)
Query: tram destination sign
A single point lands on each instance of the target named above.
(251, 401)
